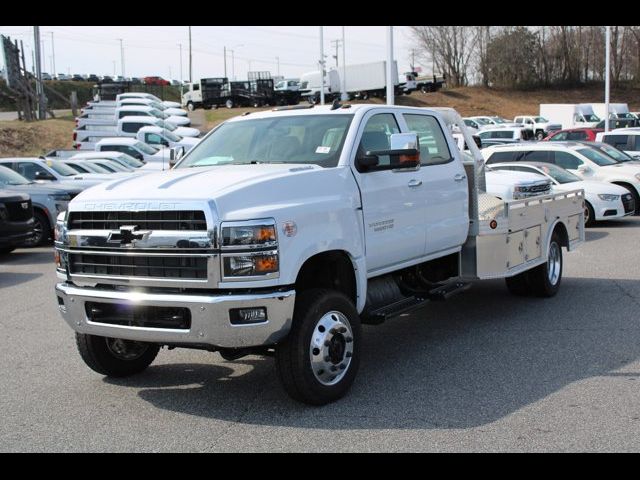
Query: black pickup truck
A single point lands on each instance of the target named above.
(16, 220)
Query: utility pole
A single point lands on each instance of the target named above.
(225, 60)
(121, 57)
(606, 78)
(114, 68)
(39, 86)
(181, 77)
(390, 80)
(337, 44)
(233, 66)
(190, 59)
(413, 59)
(53, 54)
(321, 67)
(278, 63)
(344, 95)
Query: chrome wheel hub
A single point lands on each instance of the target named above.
(554, 263)
(331, 348)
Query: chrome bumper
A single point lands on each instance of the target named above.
(210, 323)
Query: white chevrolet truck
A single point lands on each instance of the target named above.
(283, 231)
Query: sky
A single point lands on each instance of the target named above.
(155, 50)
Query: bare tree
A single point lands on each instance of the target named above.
(451, 47)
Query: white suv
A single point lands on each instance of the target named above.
(580, 159)
(540, 125)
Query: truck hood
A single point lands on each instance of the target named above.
(509, 178)
(179, 121)
(187, 132)
(37, 188)
(592, 187)
(201, 183)
(623, 169)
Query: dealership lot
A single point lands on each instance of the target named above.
(487, 371)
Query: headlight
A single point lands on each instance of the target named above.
(249, 234)
(608, 198)
(252, 248)
(60, 197)
(4, 213)
(251, 265)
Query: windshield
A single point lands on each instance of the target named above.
(9, 177)
(76, 167)
(146, 149)
(168, 125)
(92, 167)
(110, 167)
(157, 113)
(559, 174)
(62, 169)
(540, 120)
(171, 136)
(625, 115)
(596, 157)
(498, 120)
(304, 139)
(481, 121)
(615, 153)
(591, 118)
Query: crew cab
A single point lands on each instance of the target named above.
(161, 137)
(109, 116)
(284, 230)
(153, 158)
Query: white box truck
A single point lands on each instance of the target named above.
(619, 114)
(367, 80)
(569, 115)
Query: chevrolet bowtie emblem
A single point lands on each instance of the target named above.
(128, 235)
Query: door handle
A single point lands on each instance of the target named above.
(415, 183)
(459, 177)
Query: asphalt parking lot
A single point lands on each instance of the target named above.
(483, 372)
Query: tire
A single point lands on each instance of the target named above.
(207, 107)
(99, 353)
(519, 284)
(6, 250)
(335, 351)
(256, 104)
(41, 230)
(229, 104)
(365, 96)
(545, 279)
(634, 194)
(539, 135)
(190, 106)
(589, 215)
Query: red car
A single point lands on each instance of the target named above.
(586, 134)
(155, 81)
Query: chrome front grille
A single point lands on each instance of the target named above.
(139, 266)
(175, 220)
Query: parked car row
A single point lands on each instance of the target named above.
(77, 77)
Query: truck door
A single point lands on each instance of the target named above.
(394, 232)
(445, 207)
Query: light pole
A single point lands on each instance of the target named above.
(39, 87)
(390, 82)
(606, 78)
(232, 50)
(344, 95)
(190, 59)
(121, 58)
(278, 67)
(53, 55)
(321, 66)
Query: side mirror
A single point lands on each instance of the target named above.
(583, 169)
(175, 154)
(42, 175)
(404, 153)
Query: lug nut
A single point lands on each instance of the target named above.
(327, 358)
(343, 329)
(348, 354)
(333, 368)
(333, 331)
(327, 343)
(342, 366)
(348, 339)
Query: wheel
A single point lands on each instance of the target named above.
(589, 215)
(256, 104)
(229, 103)
(636, 197)
(545, 279)
(207, 107)
(190, 106)
(365, 96)
(318, 361)
(519, 284)
(6, 250)
(539, 135)
(115, 357)
(41, 230)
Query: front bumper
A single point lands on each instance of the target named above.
(15, 234)
(210, 320)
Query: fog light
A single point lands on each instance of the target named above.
(240, 316)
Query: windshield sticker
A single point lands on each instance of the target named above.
(323, 149)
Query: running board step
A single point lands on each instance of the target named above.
(379, 315)
(448, 290)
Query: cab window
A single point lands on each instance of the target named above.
(433, 144)
(377, 135)
(567, 161)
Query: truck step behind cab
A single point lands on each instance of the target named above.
(283, 231)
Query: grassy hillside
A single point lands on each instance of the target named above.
(36, 138)
(18, 138)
